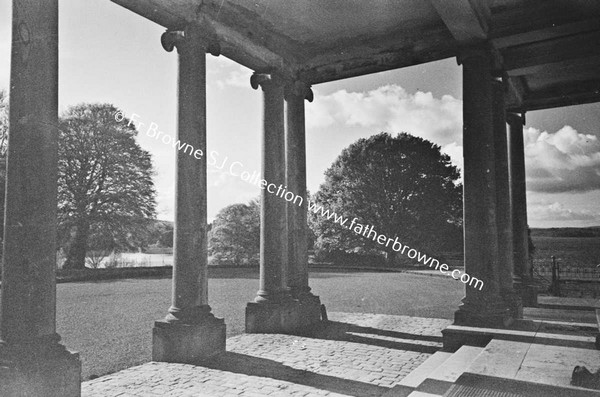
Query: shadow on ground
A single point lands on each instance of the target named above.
(256, 366)
(340, 331)
(333, 331)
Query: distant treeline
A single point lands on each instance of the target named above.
(567, 232)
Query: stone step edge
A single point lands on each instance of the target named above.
(444, 376)
(456, 335)
(419, 374)
(532, 389)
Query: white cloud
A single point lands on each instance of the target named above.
(344, 116)
(562, 166)
(226, 187)
(390, 108)
(543, 214)
(562, 161)
(226, 73)
(236, 78)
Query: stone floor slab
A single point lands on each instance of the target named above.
(355, 355)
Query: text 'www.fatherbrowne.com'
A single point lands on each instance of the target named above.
(236, 169)
(369, 232)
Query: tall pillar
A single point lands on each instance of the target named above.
(480, 307)
(522, 265)
(190, 332)
(32, 361)
(503, 206)
(273, 309)
(295, 148)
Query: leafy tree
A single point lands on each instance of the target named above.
(3, 123)
(234, 238)
(106, 194)
(400, 186)
(3, 147)
(166, 238)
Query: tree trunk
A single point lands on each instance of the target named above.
(78, 247)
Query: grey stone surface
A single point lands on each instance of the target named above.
(357, 354)
(57, 374)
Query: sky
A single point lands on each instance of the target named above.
(110, 55)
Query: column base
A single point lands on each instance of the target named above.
(483, 314)
(310, 309)
(528, 294)
(274, 318)
(514, 303)
(177, 342)
(24, 372)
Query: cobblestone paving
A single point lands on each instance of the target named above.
(355, 355)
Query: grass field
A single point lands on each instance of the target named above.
(110, 322)
(572, 251)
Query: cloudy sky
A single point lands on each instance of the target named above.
(108, 54)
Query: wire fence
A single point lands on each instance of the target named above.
(568, 280)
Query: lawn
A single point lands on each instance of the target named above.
(110, 322)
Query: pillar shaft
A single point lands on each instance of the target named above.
(28, 272)
(522, 265)
(273, 309)
(309, 304)
(296, 183)
(503, 205)
(273, 230)
(190, 278)
(480, 307)
(190, 332)
(32, 362)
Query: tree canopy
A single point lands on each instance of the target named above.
(3, 123)
(401, 186)
(234, 238)
(3, 147)
(106, 193)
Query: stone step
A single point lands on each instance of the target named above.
(511, 365)
(417, 393)
(500, 358)
(444, 376)
(456, 335)
(489, 386)
(417, 376)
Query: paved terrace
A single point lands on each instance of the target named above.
(355, 355)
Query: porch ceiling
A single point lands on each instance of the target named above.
(549, 49)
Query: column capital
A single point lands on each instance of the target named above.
(299, 88)
(515, 118)
(171, 39)
(499, 84)
(481, 50)
(193, 33)
(266, 81)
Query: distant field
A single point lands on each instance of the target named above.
(574, 251)
(137, 259)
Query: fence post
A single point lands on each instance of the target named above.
(555, 286)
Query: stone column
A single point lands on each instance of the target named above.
(483, 306)
(190, 332)
(295, 148)
(522, 266)
(503, 207)
(32, 361)
(273, 309)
